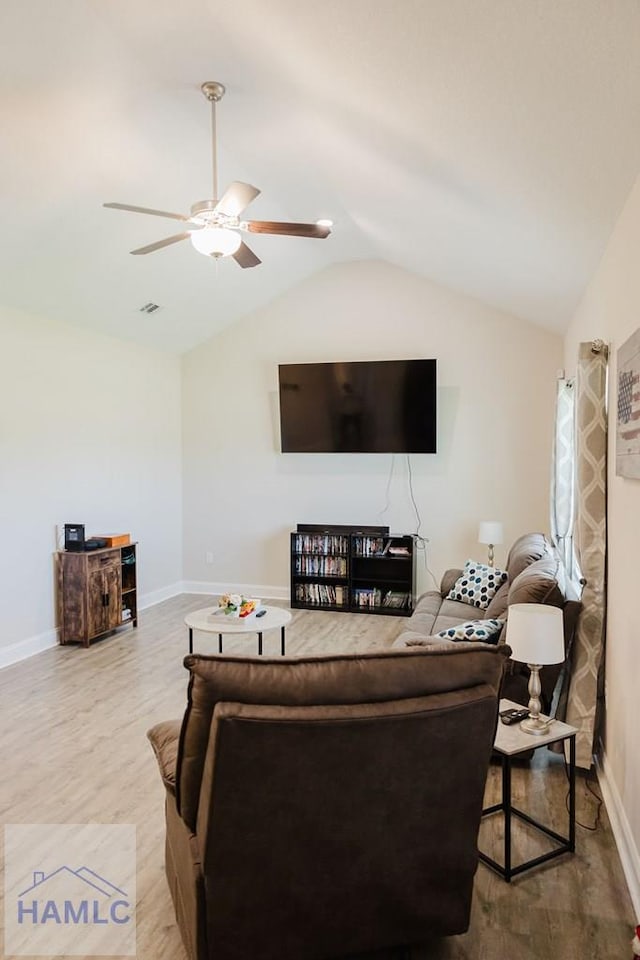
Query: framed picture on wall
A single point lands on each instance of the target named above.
(628, 410)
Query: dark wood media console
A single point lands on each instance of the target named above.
(97, 592)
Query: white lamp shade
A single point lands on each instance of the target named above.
(216, 241)
(490, 531)
(535, 633)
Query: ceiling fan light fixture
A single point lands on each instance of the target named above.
(324, 223)
(216, 241)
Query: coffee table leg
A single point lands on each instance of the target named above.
(190, 639)
(219, 643)
(282, 640)
(259, 644)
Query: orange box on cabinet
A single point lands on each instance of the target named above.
(115, 539)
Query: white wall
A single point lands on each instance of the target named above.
(89, 433)
(496, 395)
(611, 310)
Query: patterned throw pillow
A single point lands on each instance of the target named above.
(477, 585)
(485, 630)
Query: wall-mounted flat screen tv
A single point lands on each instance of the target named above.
(366, 406)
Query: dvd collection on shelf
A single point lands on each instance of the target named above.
(376, 569)
(321, 566)
(369, 546)
(367, 597)
(320, 544)
(378, 547)
(322, 594)
(373, 597)
(397, 599)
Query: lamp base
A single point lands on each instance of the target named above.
(535, 726)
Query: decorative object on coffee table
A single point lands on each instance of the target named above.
(236, 605)
(536, 637)
(491, 533)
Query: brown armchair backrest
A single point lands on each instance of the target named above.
(336, 801)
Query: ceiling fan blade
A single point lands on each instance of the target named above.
(245, 257)
(159, 244)
(236, 197)
(289, 229)
(155, 213)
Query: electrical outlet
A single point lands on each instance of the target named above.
(208, 556)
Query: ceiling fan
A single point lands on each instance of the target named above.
(214, 226)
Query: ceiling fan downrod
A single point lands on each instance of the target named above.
(214, 92)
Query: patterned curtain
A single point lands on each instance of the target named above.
(590, 539)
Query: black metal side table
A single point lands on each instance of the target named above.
(511, 741)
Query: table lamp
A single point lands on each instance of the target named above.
(536, 636)
(490, 532)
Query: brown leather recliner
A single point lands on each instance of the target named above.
(324, 807)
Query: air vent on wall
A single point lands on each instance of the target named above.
(149, 307)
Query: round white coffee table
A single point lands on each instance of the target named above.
(212, 620)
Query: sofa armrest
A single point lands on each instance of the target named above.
(409, 638)
(449, 577)
(164, 740)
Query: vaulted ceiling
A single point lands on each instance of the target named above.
(486, 144)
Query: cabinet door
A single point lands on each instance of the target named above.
(72, 597)
(96, 609)
(104, 606)
(113, 607)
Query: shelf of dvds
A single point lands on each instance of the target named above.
(352, 569)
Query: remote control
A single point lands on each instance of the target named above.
(261, 613)
(514, 716)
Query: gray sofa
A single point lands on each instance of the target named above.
(534, 575)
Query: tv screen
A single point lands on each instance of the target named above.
(376, 406)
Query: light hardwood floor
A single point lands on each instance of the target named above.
(73, 747)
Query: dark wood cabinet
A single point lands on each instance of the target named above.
(97, 592)
(353, 569)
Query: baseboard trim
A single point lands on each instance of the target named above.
(158, 596)
(28, 647)
(263, 591)
(621, 829)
